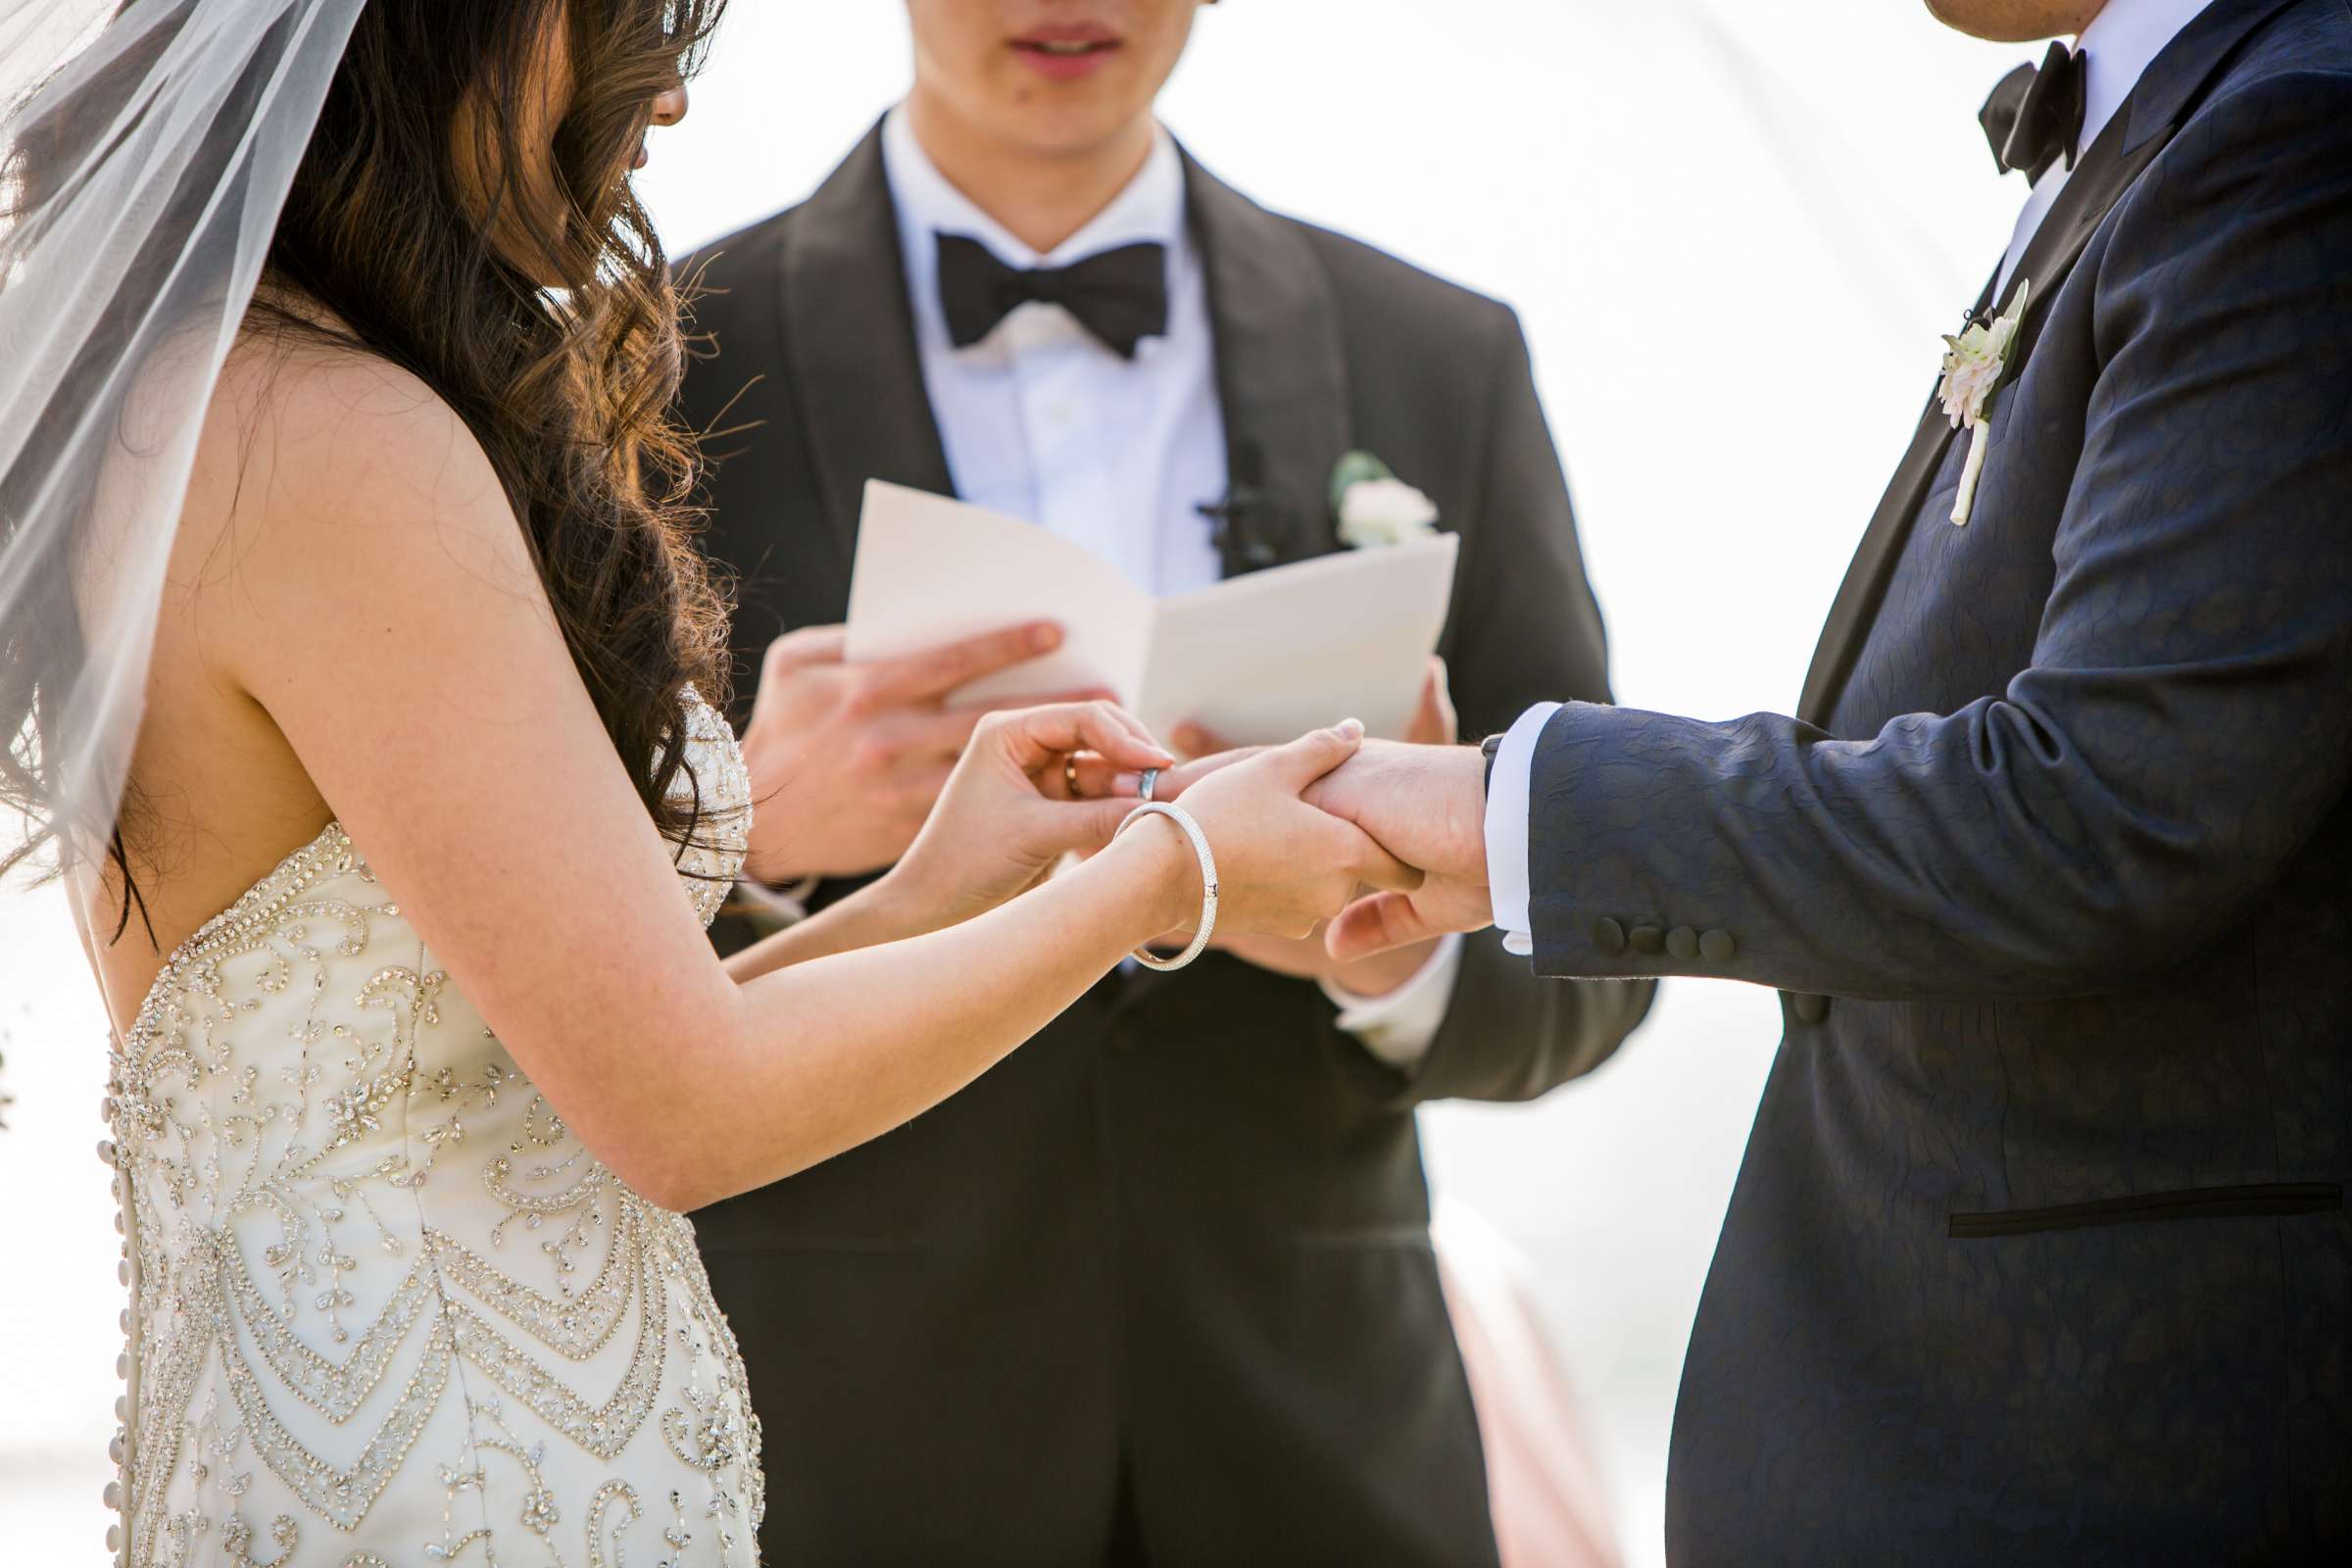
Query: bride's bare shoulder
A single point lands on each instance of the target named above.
(320, 463)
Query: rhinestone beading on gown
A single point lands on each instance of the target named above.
(384, 1308)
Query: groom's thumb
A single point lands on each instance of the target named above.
(1374, 925)
(1316, 753)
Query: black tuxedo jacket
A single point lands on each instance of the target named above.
(2039, 1253)
(1165, 1270)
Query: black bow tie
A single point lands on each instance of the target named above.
(1121, 296)
(2035, 117)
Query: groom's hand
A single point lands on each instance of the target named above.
(847, 759)
(1425, 805)
(1309, 957)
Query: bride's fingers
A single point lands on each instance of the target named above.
(1040, 737)
(1136, 728)
(1316, 753)
(1062, 825)
(1099, 778)
(1120, 737)
(1176, 780)
(945, 732)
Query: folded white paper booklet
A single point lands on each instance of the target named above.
(1258, 658)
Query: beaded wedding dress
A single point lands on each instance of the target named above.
(386, 1310)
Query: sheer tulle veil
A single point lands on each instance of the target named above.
(146, 149)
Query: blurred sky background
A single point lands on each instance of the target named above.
(1734, 231)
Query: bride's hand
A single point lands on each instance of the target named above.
(1007, 814)
(1433, 725)
(1282, 866)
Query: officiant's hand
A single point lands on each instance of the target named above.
(1309, 957)
(847, 759)
(1008, 814)
(1427, 806)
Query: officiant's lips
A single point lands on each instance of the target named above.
(1067, 51)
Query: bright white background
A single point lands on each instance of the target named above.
(1734, 231)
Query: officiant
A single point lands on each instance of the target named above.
(1159, 1287)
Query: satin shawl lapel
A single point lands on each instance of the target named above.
(1866, 577)
(1282, 374)
(850, 345)
(2140, 130)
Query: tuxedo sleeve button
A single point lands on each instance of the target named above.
(1610, 937)
(1682, 942)
(1717, 947)
(1648, 938)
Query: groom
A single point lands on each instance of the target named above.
(2039, 1250)
(1159, 1287)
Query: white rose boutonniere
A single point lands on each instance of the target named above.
(1375, 507)
(1972, 366)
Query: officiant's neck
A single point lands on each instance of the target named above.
(1042, 195)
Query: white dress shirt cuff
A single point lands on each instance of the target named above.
(1507, 828)
(1399, 1027)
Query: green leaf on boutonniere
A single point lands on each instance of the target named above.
(1357, 468)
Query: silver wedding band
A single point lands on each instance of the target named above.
(1147, 782)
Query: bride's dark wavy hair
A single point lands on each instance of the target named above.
(568, 388)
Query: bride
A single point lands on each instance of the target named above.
(358, 660)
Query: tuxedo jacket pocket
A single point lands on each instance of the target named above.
(2193, 1202)
(1376, 1235)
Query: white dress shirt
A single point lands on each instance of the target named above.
(1041, 421)
(2118, 47)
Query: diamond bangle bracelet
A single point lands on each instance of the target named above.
(1208, 882)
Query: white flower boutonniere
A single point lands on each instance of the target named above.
(1972, 366)
(1375, 507)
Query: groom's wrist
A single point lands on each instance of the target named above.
(1460, 803)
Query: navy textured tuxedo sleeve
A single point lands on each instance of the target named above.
(2186, 720)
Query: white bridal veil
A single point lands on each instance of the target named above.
(146, 147)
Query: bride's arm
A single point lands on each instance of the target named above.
(382, 608)
(1005, 818)
(872, 915)
(881, 912)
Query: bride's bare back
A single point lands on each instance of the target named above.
(304, 447)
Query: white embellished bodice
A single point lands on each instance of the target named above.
(386, 1311)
